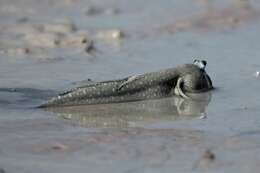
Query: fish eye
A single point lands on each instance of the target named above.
(195, 60)
(204, 62)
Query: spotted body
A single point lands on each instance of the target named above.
(187, 78)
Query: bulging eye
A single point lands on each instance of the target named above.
(200, 64)
(204, 62)
(196, 61)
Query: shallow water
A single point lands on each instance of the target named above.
(150, 136)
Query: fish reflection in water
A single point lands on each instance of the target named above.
(131, 113)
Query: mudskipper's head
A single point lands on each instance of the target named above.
(200, 63)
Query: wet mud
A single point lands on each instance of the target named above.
(50, 46)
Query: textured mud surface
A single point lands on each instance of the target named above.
(47, 46)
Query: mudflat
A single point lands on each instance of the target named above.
(48, 46)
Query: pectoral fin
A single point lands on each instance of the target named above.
(179, 88)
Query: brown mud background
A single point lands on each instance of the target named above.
(47, 46)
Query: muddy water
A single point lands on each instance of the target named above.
(43, 51)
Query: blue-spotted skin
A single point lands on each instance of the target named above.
(147, 86)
